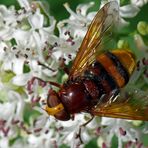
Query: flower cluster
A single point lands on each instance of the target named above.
(31, 55)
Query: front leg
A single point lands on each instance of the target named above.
(80, 128)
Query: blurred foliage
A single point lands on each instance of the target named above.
(92, 143)
(56, 7)
(8, 2)
(64, 146)
(30, 114)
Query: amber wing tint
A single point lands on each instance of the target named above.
(130, 104)
(98, 31)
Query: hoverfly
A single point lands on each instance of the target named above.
(97, 78)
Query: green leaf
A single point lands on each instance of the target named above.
(26, 68)
(13, 42)
(6, 76)
(114, 142)
(64, 146)
(92, 143)
(9, 3)
(29, 113)
(144, 139)
(13, 140)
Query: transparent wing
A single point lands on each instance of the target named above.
(99, 30)
(129, 104)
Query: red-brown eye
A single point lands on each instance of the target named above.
(54, 104)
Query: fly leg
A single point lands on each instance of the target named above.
(50, 110)
(80, 128)
(45, 66)
(62, 66)
(43, 83)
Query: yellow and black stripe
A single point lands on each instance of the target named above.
(120, 68)
(117, 68)
(110, 71)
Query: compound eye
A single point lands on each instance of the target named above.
(54, 105)
(53, 99)
(55, 108)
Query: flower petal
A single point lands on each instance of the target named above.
(7, 110)
(82, 8)
(129, 11)
(36, 20)
(21, 79)
(139, 3)
(19, 106)
(18, 65)
(24, 4)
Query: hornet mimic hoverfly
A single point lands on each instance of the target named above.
(97, 78)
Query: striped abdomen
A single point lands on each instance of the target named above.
(109, 72)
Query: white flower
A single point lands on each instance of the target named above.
(25, 4)
(6, 112)
(7, 21)
(139, 3)
(126, 11)
(13, 109)
(38, 32)
(119, 127)
(11, 113)
(4, 142)
(21, 79)
(79, 21)
(139, 42)
(72, 31)
(25, 36)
